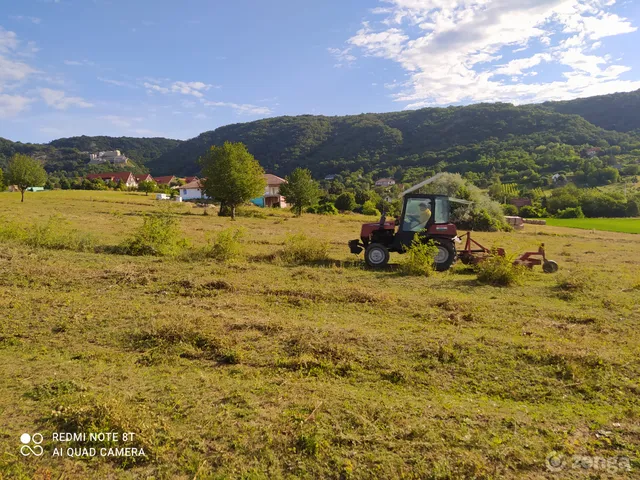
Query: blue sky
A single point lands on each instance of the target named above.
(178, 68)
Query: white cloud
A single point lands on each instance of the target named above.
(343, 57)
(12, 105)
(58, 99)
(120, 121)
(13, 70)
(450, 48)
(35, 20)
(155, 88)
(117, 83)
(8, 41)
(78, 63)
(240, 108)
(190, 88)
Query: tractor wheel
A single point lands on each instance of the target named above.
(549, 266)
(376, 255)
(445, 256)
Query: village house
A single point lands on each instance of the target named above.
(145, 177)
(166, 180)
(192, 190)
(271, 197)
(117, 177)
(385, 182)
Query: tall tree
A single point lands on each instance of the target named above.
(232, 176)
(1, 181)
(301, 190)
(147, 186)
(25, 172)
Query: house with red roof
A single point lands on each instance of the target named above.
(145, 177)
(166, 180)
(117, 177)
(271, 197)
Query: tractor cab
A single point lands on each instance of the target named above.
(424, 215)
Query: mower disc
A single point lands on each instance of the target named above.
(549, 266)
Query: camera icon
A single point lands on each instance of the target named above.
(27, 449)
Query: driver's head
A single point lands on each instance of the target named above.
(423, 206)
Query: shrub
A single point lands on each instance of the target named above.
(570, 213)
(418, 258)
(369, 208)
(158, 235)
(500, 271)
(300, 249)
(226, 245)
(528, 211)
(510, 209)
(345, 202)
(323, 209)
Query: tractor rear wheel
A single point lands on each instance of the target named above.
(376, 255)
(445, 256)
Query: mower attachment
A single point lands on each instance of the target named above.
(474, 253)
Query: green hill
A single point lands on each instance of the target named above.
(618, 111)
(426, 137)
(71, 155)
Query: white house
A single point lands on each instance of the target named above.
(385, 182)
(192, 191)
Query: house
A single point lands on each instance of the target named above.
(192, 190)
(190, 179)
(271, 197)
(520, 202)
(385, 182)
(330, 177)
(117, 177)
(592, 152)
(113, 156)
(145, 177)
(166, 180)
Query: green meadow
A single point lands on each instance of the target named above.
(270, 365)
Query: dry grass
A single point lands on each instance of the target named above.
(257, 369)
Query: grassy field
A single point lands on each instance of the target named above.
(261, 369)
(622, 225)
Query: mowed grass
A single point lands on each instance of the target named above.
(622, 225)
(258, 368)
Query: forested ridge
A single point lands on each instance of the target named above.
(524, 143)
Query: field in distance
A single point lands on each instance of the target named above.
(261, 368)
(623, 225)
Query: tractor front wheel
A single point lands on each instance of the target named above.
(445, 256)
(376, 255)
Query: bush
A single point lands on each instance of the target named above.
(158, 235)
(481, 221)
(510, 209)
(418, 258)
(226, 245)
(500, 271)
(533, 212)
(299, 249)
(345, 202)
(570, 213)
(369, 208)
(323, 209)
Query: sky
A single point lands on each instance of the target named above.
(177, 68)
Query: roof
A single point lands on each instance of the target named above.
(124, 176)
(194, 184)
(166, 179)
(274, 179)
(385, 180)
(190, 179)
(143, 177)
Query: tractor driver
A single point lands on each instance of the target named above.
(417, 219)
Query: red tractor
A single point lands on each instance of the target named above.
(427, 216)
(424, 215)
